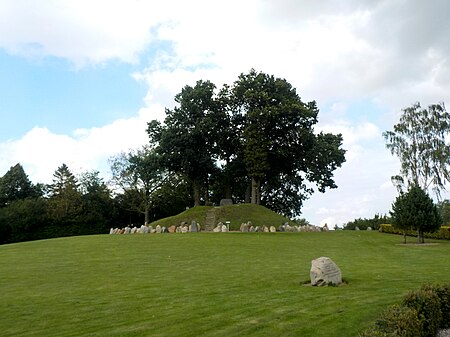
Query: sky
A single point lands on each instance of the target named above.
(80, 79)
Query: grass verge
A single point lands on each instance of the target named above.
(207, 284)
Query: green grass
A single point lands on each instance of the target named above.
(207, 284)
(236, 214)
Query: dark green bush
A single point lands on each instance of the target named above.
(442, 234)
(443, 294)
(428, 307)
(397, 320)
(421, 314)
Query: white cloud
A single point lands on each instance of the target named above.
(41, 152)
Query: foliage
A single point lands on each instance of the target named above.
(415, 210)
(15, 185)
(419, 141)
(397, 320)
(442, 234)
(363, 224)
(251, 137)
(138, 174)
(421, 313)
(427, 305)
(444, 210)
(186, 140)
(64, 197)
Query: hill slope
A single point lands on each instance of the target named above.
(236, 214)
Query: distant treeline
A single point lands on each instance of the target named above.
(70, 206)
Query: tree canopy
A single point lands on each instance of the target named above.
(415, 210)
(253, 139)
(420, 141)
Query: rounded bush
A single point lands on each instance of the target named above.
(427, 304)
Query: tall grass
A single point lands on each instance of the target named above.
(207, 284)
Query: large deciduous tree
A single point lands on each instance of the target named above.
(281, 150)
(256, 133)
(419, 140)
(139, 175)
(415, 210)
(186, 139)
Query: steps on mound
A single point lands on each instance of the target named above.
(210, 219)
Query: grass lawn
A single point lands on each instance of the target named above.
(207, 284)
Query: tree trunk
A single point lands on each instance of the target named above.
(196, 190)
(404, 238)
(147, 215)
(256, 191)
(248, 193)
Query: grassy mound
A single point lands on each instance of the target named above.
(207, 284)
(236, 214)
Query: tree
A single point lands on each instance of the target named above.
(139, 175)
(415, 210)
(186, 140)
(15, 185)
(65, 199)
(97, 206)
(281, 150)
(257, 133)
(419, 141)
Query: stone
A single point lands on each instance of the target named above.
(158, 229)
(178, 229)
(133, 230)
(325, 272)
(111, 231)
(356, 228)
(224, 228)
(265, 229)
(325, 228)
(272, 229)
(226, 202)
(172, 229)
(244, 228)
(251, 229)
(127, 230)
(193, 227)
(184, 229)
(281, 228)
(369, 228)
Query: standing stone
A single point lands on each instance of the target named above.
(172, 229)
(272, 229)
(226, 202)
(224, 228)
(111, 231)
(325, 272)
(193, 227)
(158, 229)
(265, 229)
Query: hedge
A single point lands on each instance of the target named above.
(422, 313)
(442, 234)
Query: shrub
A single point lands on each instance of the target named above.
(397, 320)
(443, 294)
(427, 304)
(442, 234)
(421, 314)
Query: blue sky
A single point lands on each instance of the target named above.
(80, 79)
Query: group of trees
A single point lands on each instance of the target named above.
(419, 140)
(70, 205)
(253, 141)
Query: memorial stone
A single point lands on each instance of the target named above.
(325, 272)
